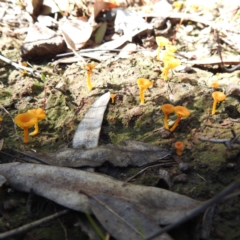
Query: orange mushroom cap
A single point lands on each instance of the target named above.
(215, 84)
(25, 121)
(181, 112)
(179, 147)
(112, 96)
(218, 97)
(143, 84)
(161, 42)
(90, 67)
(40, 114)
(169, 63)
(167, 109)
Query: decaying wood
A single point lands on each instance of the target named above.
(63, 185)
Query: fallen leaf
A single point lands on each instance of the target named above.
(135, 153)
(42, 41)
(87, 133)
(100, 33)
(62, 185)
(116, 215)
(76, 32)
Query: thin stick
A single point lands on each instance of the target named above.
(32, 225)
(196, 211)
(29, 156)
(146, 168)
(18, 66)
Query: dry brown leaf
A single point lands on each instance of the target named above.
(76, 33)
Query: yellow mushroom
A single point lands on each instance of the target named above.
(181, 112)
(161, 42)
(218, 97)
(112, 96)
(25, 121)
(167, 109)
(143, 84)
(40, 114)
(90, 67)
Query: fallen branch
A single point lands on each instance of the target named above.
(32, 225)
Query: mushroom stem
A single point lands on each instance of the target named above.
(166, 121)
(179, 152)
(25, 135)
(141, 93)
(89, 80)
(35, 132)
(214, 106)
(176, 123)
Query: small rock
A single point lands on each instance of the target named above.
(182, 178)
(136, 111)
(42, 41)
(184, 167)
(233, 90)
(231, 165)
(164, 180)
(164, 133)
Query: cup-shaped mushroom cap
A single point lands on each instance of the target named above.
(162, 41)
(91, 66)
(179, 145)
(39, 113)
(167, 108)
(215, 84)
(25, 120)
(171, 48)
(144, 83)
(218, 96)
(172, 63)
(182, 111)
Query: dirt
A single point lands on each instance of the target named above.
(66, 99)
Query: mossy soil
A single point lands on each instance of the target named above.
(66, 99)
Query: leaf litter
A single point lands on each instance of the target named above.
(209, 170)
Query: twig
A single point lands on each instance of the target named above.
(18, 66)
(219, 48)
(32, 225)
(18, 158)
(196, 211)
(146, 168)
(29, 156)
(231, 143)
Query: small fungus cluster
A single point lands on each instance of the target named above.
(180, 111)
(217, 96)
(28, 120)
(169, 58)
